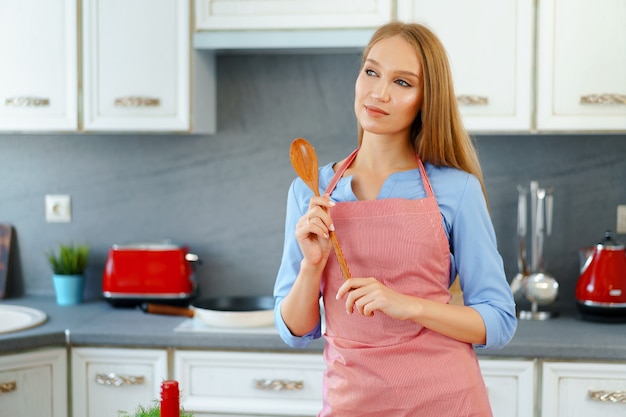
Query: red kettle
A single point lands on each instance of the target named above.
(601, 287)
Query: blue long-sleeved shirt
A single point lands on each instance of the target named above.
(473, 248)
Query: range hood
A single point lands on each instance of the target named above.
(323, 40)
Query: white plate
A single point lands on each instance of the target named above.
(14, 318)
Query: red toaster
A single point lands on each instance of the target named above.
(149, 272)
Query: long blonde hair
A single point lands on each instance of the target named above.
(438, 135)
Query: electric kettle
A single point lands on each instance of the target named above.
(601, 287)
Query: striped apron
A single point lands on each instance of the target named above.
(378, 366)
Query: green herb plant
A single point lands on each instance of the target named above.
(153, 410)
(71, 259)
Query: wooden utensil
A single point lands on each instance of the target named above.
(6, 238)
(304, 161)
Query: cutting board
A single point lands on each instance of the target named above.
(6, 239)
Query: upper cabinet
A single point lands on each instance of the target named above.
(287, 24)
(490, 47)
(136, 65)
(38, 75)
(290, 14)
(581, 67)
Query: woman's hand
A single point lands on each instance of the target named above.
(312, 231)
(367, 295)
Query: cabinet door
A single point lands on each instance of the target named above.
(510, 385)
(38, 75)
(583, 389)
(136, 64)
(34, 384)
(269, 384)
(489, 45)
(106, 381)
(290, 14)
(581, 82)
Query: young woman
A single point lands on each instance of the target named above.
(409, 209)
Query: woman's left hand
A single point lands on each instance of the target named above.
(367, 295)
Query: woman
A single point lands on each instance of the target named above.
(409, 210)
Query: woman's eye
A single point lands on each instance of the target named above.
(403, 83)
(370, 72)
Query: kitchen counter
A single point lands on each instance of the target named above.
(98, 324)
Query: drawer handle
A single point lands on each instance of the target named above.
(6, 387)
(119, 380)
(136, 101)
(608, 396)
(26, 101)
(603, 99)
(470, 100)
(279, 385)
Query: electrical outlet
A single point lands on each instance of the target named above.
(621, 218)
(58, 208)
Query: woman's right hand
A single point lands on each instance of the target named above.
(312, 231)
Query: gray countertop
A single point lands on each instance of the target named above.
(98, 324)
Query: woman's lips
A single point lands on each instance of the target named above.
(374, 111)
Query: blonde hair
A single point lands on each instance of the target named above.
(438, 135)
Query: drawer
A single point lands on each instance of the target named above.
(250, 383)
(584, 389)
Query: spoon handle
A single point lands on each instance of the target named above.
(339, 255)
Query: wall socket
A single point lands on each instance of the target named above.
(58, 208)
(621, 218)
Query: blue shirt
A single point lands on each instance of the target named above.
(473, 248)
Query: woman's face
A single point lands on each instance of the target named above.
(388, 91)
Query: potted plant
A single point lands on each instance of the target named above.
(154, 410)
(68, 273)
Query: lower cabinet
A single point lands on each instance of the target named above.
(105, 381)
(34, 383)
(574, 389)
(249, 383)
(510, 385)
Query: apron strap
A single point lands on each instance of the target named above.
(350, 159)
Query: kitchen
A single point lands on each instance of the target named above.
(223, 194)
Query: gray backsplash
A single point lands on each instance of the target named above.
(224, 194)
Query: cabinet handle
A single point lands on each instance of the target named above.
(6, 387)
(608, 396)
(136, 101)
(279, 385)
(26, 101)
(603, 99)
(470, 100)
(119, 380)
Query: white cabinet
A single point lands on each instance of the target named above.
(572, 389)
(105, 381)
(581, 82)
(136, 65)
(510, 385)
(246, 383)
(34, 384)
(38, 81)
(490, 48)
(290, 14)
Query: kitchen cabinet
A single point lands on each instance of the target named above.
(581, 77)
(34, 383)
(136, 65)
(510, 385)
(490, 48)
(290, 14)
(107, 380)
(38, 75)
(574, 389)
(249, 383)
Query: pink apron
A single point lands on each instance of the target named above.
(378, 366)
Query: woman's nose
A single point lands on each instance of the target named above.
(380, 92)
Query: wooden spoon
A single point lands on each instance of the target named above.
(304, 162)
